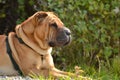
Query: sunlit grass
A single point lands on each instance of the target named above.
(62, 78)
(77, 71)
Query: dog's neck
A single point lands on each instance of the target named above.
(32, 44)
(42, 52)
(22, 42)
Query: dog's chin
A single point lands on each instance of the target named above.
(68, 41)
(60, 43)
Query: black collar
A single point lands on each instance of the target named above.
(11, 57)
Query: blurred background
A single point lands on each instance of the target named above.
(95, 26)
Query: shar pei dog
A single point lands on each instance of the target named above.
(28, 49)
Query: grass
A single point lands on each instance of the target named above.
(91, 72)
(87, 72)
(78, 72)
(104, 73)
(68, 78)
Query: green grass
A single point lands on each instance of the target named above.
(51, 78)
(78, 71)
(104, 73)
(91, 72)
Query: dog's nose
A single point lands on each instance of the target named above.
(67, 31)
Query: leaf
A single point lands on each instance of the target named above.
(2, 15)
(21, 2)
(91, 8)
(107, 51)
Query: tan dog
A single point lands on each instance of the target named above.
(31, 46)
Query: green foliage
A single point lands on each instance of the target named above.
(21, 11)
(95, 26)
(116, 65)
(2, 11)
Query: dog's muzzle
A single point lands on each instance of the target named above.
(63, 37)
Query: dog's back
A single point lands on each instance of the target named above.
(2, 44)
(6, 67)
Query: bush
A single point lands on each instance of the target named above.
(95, 26)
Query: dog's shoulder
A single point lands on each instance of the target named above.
(2, 39)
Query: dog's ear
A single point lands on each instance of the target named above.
(25, 31)
(27, 26)
(40, 16)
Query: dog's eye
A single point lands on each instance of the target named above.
(54, 25)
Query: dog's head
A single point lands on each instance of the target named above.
(51, 29)
(46, 29)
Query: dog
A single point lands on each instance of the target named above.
(28, 49)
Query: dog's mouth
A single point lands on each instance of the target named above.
(60, 42)
(69, 40)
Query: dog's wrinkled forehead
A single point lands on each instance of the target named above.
(55, 20)
(48, 17)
